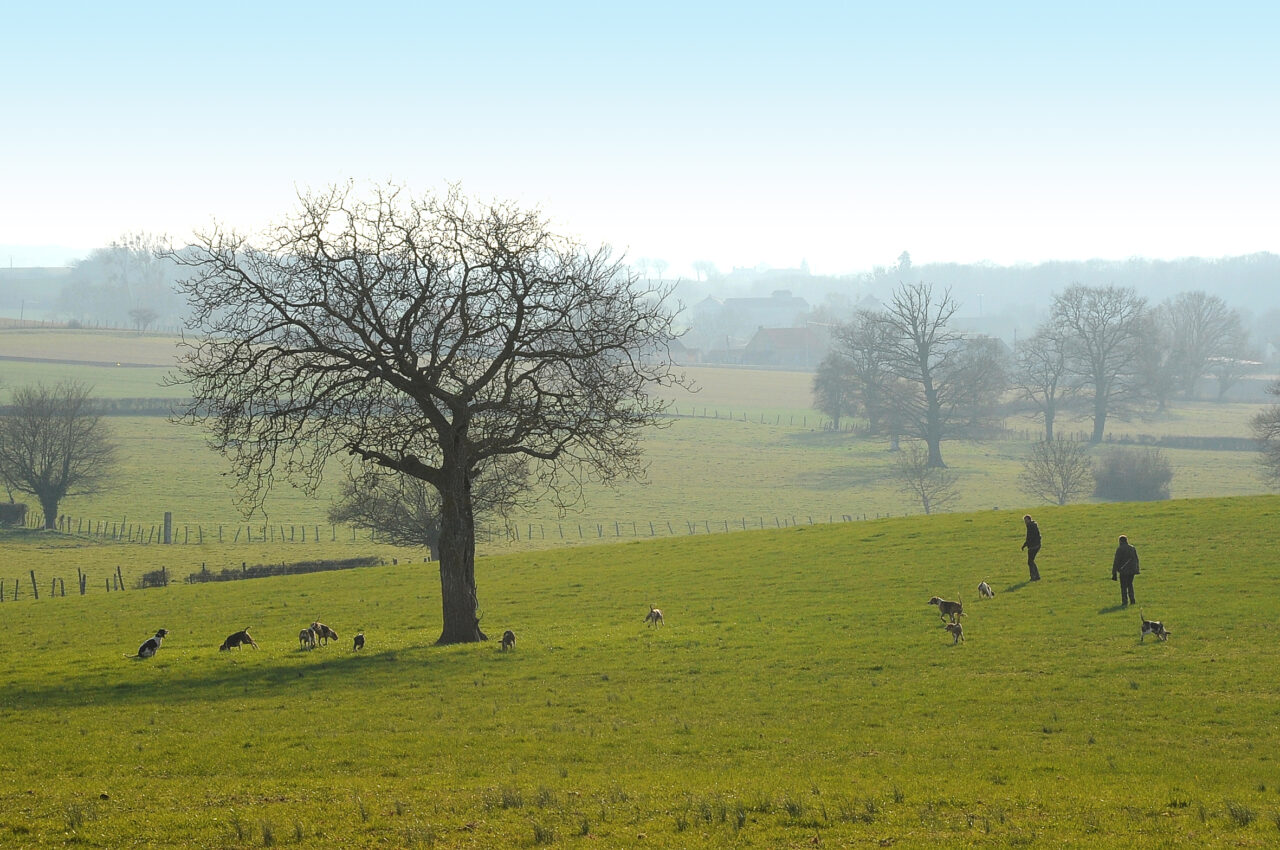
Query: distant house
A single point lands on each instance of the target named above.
(796, 348)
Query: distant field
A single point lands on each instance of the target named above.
(801, 694)
(744, 451)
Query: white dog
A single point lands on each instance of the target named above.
(654, 617)
(985, 591)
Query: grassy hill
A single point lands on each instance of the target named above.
(801, 693)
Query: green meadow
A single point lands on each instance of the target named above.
(801, 693)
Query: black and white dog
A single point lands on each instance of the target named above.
(508, 640)
(150, 645)
(358, 643)
(985, 591)
(1153, 627)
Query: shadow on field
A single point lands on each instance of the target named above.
(1113, 609)
(178, 679)
(1015, 587)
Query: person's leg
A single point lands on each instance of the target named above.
(1031, 563)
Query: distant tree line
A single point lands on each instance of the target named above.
(911, 374)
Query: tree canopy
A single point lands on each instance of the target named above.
(429, 337)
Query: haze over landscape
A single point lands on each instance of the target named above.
(836, 135)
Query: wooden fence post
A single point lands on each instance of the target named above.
(119, 577)
(35, 591)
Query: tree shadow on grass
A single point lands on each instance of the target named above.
(175, 680)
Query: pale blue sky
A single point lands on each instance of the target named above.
(741, 133)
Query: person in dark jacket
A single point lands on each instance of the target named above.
(1032, 545)
(1125, 566)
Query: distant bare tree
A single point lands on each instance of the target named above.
(834, 392)
(1040, 373)
(1202, 329)
(862, 346)
(1266, 430)
(1103, 328)
(934, 487)
(143, 318)
(1057, 471)
(951, 381)
(407, 511)
(1156, 365)
(54, 444)
(660, 266)
(705, 269)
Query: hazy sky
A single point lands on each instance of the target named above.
(741, 133)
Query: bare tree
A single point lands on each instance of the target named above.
(705, 269)
(948, 387)
(129, 274)
(1266, 430)
(1202, 329)
(862, 345)
(1156, 366)
(933, 486)
(143, 318)
(1057, 471)
(834, 392)
(424, 337)
(1104, 331)
(54, 444)
(407, 511)
(1040, 373)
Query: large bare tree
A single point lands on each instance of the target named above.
(54, 444)
(1204, 331)
(862, 346)
(1057, 471)
(1103, 328)
(428, 337)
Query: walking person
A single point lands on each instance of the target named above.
(1125, 566)
(1032, 545)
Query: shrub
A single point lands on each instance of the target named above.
(1133, 475)
(13, 513)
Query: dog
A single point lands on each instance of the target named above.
(358, 643)
(954, 610)
(957, 632)
(306, 639)
(238, 639)
(150, 645)
(323, 632)
(1153, 627)
(654, 617)
(508, 640)
(985, 591)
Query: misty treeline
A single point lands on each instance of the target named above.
(1103, 350)
(129, 283)
(1006, 302)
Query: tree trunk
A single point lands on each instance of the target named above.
(1099, 420)
(458, 563)
(49, 506)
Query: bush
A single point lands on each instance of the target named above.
(1133, 475)
(13, 513)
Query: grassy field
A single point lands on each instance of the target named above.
(801, 693)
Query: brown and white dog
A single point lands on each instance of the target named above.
(1153, 627)
(985, 591)
(323, 633)
(238, 639)
(957, 632)
(306, 639)
(508, 640)
(954, 610)
(654, 617)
